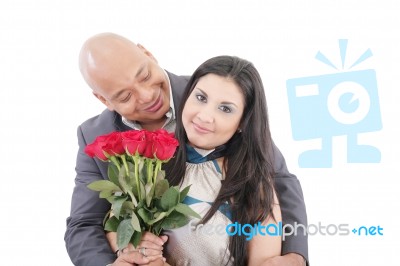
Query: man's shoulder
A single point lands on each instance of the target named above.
(178, 84)
(178, 80)
(101, 124)
(178, 77)
(100, 120)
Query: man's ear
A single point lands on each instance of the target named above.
(103, 100)
(146, 52)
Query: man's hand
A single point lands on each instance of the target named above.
(130, 258)
(150, 246)
(290, 259)
(134, 258)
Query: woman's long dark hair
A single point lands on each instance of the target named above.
(248, 166)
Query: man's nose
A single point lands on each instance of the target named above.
(144, 95)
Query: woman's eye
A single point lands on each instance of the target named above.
(201, 98)
(225, 109)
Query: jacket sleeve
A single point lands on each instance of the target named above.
(292, 205)
(85, 238)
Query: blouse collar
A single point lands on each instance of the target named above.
(196, 155)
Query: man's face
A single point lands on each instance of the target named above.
(132, 83)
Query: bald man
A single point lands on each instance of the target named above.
(138, 94)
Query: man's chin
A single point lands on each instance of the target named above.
(154, 119)
(150, 117)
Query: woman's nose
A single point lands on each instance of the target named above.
(205, 116)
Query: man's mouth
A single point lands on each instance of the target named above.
(154, 107)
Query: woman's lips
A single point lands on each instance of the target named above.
(201, 129)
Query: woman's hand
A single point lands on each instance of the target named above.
(150, 246)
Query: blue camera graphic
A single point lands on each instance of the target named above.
(325, 106)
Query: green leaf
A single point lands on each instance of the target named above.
(145, 215)
(112, 224)
(149, 193)
(105, 194)
(127, 207)
(124, 233)
(133, 198)
(170, 210)
(106, 217)
(111, 199)
(141, 204)
(156, 228)
(126, 187)
(161, 187)
(135, 240)
(135, 222)
(161, 175)
(142, 190)
(100, 185)
(159, 217)
(142, 171)
(157, 204)
(117, 205)
(147, 170)
(174, 220)
(150, 209)
(113, 173)
(170, 198)
(122, 179)
(150, 169)
(186, 210)
(131, 179)
(184, 193)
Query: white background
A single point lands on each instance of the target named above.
(43, 99)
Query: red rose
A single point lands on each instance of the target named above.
(148, 152)
(95, 149)
(164, 145)
(110, 144)
(114, 144)
(134, 141)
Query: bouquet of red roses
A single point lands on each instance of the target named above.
(141, 199)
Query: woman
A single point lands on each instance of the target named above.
(224, 122)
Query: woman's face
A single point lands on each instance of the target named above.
(212, 112)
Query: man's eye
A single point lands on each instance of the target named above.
(147, 77)
(201, 98)
(225, 109)
(124, 100)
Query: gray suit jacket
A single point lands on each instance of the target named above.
(85, 239)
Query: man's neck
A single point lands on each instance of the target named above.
(154, 125)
